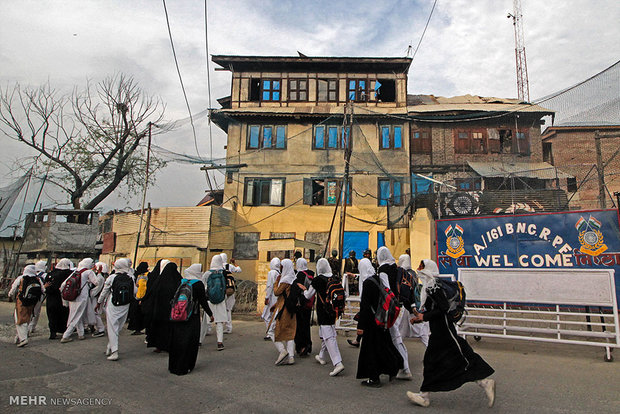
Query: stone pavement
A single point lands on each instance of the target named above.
(531, 378)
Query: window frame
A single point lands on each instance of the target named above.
(474, 182)
(390, 200)
(261, 137)
(471, 140)
(329, 90)
(325, 180)
(391, 138)
(270, 90)
(360, 95)
(254, 196)
(298, 89)
(421, 145)
(326, 137)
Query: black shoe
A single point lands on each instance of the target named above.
(52, 337)
(372, 384)
(353, 343)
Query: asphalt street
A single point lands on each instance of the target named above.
(531, 378)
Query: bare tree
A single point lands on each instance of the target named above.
(89, 141)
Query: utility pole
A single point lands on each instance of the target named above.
(523, 85)
(600, 169)
(146, 182)
(347, 136)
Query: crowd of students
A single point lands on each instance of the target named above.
(167, 305)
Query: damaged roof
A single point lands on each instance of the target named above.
(540, 170)
(474, 103)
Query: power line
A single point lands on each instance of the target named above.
(425, 27)
(176, 62)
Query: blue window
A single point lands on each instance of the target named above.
(391, 137)
(270, 90)
(390, 192)
(332, 139)
(319, 136)
(262, 136)
(254, 136)
(280, 137)
(356, 90)
(346, 134)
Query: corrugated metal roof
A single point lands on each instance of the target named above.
(431, 103)
(540, 170)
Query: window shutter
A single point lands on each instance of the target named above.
(276, 193)
(249, 192)
(308, 191)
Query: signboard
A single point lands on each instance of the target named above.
(571, 240)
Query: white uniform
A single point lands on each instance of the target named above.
(93, 317)
(271, 281)
(77, 307)
(115, 315)
(220, 314)
(21, 328)
(406, 328)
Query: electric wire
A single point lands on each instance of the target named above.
(423, 32)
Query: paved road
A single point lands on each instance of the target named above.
(531, 378)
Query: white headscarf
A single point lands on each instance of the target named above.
(87, 263)
(427, 278)
(288, 274)
(301, 264)
(323, 268)
(384, 256)
(216, 263)
(40, 266)
(224, 257)
(366, 270)
(404, 261)
(163, 264)
(30, 270)
(123, 266)
(275, 264)
(102, 266)
(63, 264)
(193, 272)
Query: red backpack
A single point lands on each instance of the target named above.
(73, 286)
(388, 307)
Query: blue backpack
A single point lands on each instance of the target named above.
(216, 287)
(183, 305)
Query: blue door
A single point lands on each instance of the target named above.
(355, 240)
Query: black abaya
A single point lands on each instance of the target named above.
(185, 336)
(378, 355)
(57, 314)
(160, 293)
(303, 338)
(449, 361)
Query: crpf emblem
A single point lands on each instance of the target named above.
(590, 236)
(454, 241)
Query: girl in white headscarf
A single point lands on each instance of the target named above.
(41, 268)
(366, 270)
(220, 315)
(116, 315)
(77, 307)
(270, 298)
(285, 322)
(23, 312)
(388, 273)
(93, 314)
(303, 337)
(408, 329)
(449, 361)
(325, 317)
(229, 269)
(57, 314)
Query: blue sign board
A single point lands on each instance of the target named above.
(577, 239)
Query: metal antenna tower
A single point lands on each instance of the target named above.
(523, 85)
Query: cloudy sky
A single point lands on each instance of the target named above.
(468, 49)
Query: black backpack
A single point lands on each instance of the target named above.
(406, 287)
(293, 301)
(122, 289)
(335, 295)
(31, 291)
(455, 293)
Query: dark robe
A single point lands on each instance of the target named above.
(378, 355)
(185, 336)
(57, 314)
(323, 316)
(303, 338)
(159, 294)
(136, 317)
(449, 361)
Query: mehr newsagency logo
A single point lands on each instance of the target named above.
(455, 241)
(590, 236)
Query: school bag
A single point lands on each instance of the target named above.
(142, 280)
(122, 289)
(292, 301)
(183, 305)
(387, 309)
(307, 303)
(73, 286)
(406, 287)
(31, 291)
(335, 296)
(216, 287)
(455, 293)
(231, 284)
